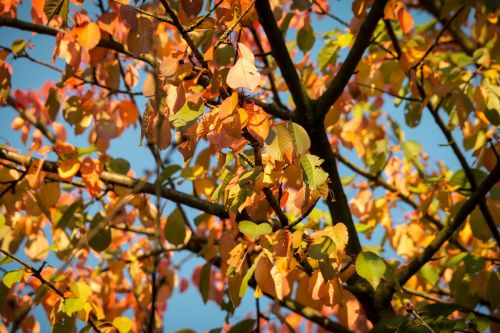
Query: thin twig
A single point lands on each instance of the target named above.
(202, 19)
(226, 33)
(436, 41)
(327, 13)
(37, 273)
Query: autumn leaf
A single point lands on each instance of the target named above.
(244, 73)
(88, 35)
(56, 7)
(405, 20)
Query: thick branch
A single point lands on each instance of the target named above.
(44, 30)
(282, 57)
(128, 182)
(445, 234)
(275, 110)
(345, 72)
(467, 170)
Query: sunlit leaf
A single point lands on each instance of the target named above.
(243, 75)
(312, 172)
(254, 230)
(13, 277)
(123, 324)
(370, 267)
(88, 35)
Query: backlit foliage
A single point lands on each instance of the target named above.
(278, 152)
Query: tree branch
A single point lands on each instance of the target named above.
(467, 45)
(177, 23)
(405, 198)
(394, 39)
(37, 274)
(32, 120)
(282, 57)
(44, 30)
(128, 182)
(445, 234)
(465, 166)
(345, 72)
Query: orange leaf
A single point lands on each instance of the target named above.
(128, 112)
(88, 35)
(405, 20)
(91, 170)
(258, 124)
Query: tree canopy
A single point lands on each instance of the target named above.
(277, 132)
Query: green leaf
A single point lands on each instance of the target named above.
(370, 267)
(175, 230)
(278, 143)
(429, 273)
(119, 165)
(12, 277)
(244, 326)
(347, 179)
(72, 305)
(248, 275)
(305, 38)
(204, 283)
(254, 230)
(53, 103)
(86, 150)
(300, 138)
(56, 7)
(390, 324)
(122, 324)
(102, 237)
(312, 173)
(328, 55)
(224, 54)
(73, 111)
(460, 180)
(64, 323)
(5, 260)
(412, 150)
(68, 214)
(321, 248)
(439, 309)
(187, 115)
(167, 173)
(413, 114)
(19, 45)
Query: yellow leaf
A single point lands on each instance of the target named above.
(88, 35)
(339, 235)
(37, 247)
(68, 168)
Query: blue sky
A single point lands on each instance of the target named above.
(186, 310)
